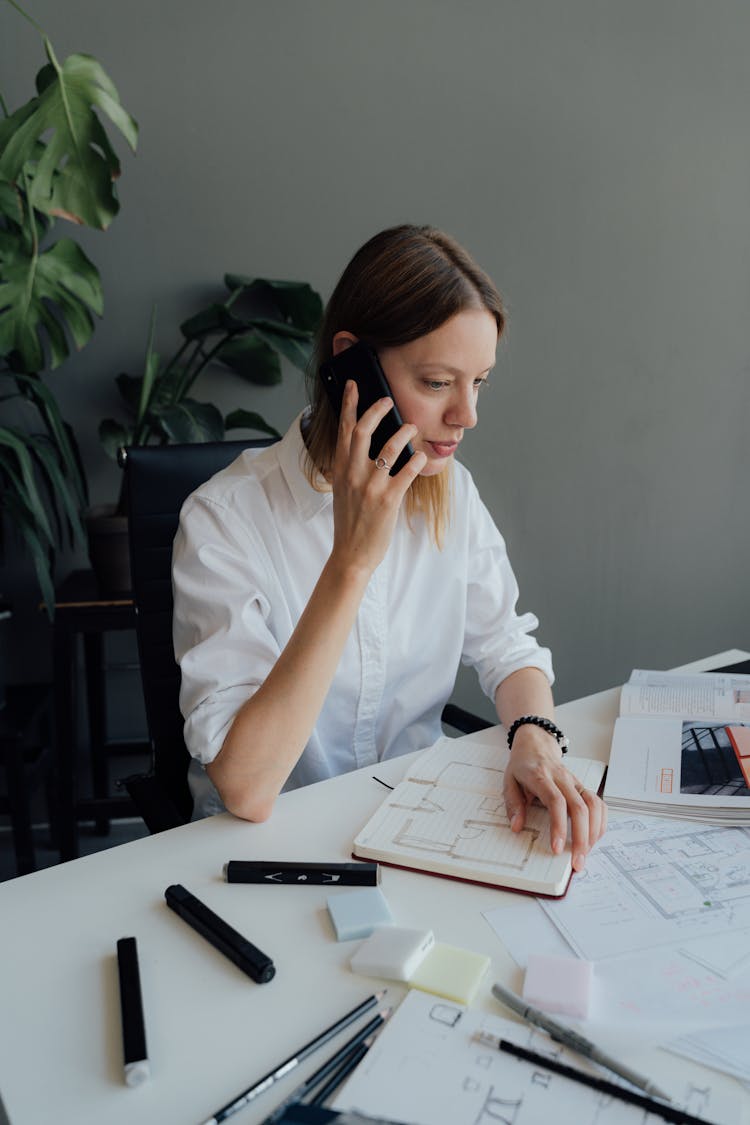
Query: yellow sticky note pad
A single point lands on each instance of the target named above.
(454, 974)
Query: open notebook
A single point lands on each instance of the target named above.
(448, 817)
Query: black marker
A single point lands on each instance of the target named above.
(221, 935)
(316, 874)
(135, 1057)
(603, 1085)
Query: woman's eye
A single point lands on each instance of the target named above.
(435, 384)
(478, 383)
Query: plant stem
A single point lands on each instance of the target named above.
(26, 16)
(34, 246)
(186, 383)
(63, 95)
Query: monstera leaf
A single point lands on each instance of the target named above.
(56, 160)
(190, 421)
(57, 142)
(296, 301)
(42, 294)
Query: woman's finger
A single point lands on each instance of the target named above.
(395, 446)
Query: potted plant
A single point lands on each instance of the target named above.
(257, 324)
(56, 161)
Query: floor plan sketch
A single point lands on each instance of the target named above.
(423, 818)
(448, 816)
(654, 881)
(436, 1072)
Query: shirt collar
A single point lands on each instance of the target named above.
(292, 453)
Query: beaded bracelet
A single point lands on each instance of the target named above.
(545, 724)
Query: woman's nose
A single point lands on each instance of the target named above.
(462, 410)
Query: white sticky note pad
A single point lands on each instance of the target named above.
(393, 952)
(559, 984)
(356, 914)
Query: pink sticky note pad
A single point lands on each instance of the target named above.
(558, 984)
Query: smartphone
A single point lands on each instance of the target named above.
(360, 363)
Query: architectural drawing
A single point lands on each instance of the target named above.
(652, 882)
(429, 1069)
(429, 827)
(689, 869)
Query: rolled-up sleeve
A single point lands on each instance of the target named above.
(497, 640)
(222, 641)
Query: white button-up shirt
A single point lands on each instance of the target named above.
(250, 548)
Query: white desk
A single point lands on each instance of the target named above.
(211, 1031)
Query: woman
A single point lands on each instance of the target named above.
(322, 605)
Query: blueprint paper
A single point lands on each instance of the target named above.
(652, 881)
(724, 1048)
(647, 997)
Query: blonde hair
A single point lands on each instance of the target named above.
(403, 283)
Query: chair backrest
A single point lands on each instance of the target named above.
(159, 479)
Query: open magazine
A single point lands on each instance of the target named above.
(681, 747)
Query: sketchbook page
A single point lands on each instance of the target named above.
(704, 695)
(427, 1068)
(695, 764)
(466, 834)
(462, 763)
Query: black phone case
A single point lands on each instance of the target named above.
(360, 363)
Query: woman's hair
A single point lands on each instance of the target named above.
(403, 283)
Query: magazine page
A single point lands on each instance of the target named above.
(703, 695)
(691, 763)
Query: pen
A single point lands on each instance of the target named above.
(135, 1058)
(317, 874)
(294, 1060)
(220, 934)
(667, 1112)
(570, 1038)
(334, 1063)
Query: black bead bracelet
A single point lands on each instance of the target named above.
(545, 724)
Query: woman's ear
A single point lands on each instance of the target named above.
(341, 341)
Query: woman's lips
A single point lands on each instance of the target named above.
(443, 448)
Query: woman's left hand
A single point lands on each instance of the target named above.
(537, 771)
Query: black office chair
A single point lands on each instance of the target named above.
(158, 480)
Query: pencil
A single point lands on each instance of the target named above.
(666, 1111)
(353, 1059)
(330, 1065)
(294, 1060)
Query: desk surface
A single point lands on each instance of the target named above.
(211, 1031)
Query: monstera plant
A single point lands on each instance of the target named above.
(56, 162)
(248, 333)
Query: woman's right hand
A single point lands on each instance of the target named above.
(366, 498)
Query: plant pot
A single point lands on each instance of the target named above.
(109, 549)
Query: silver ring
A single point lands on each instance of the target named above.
(381, 463)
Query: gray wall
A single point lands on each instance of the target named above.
(592, 154)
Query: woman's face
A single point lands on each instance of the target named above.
(436, 379)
